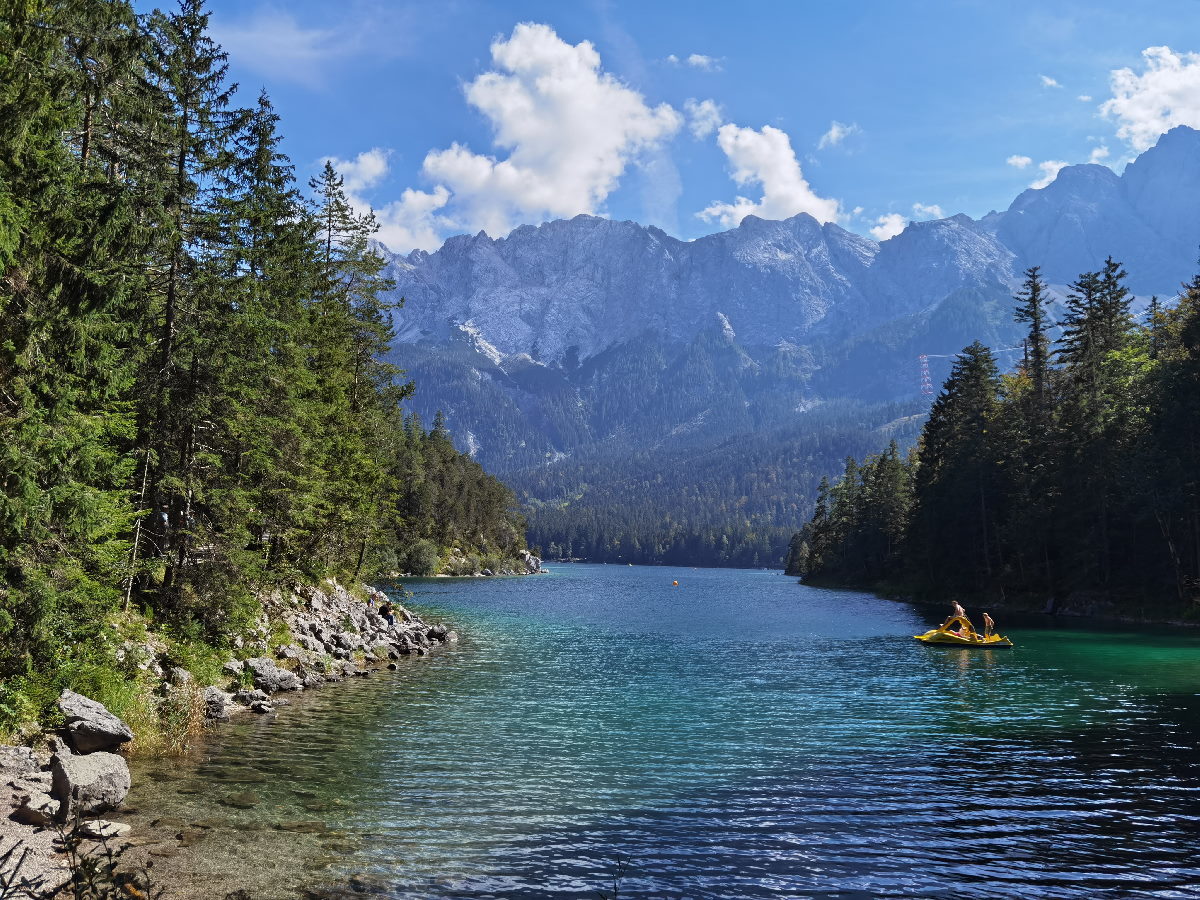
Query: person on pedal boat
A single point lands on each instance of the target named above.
(957, 613)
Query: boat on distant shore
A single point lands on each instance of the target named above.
(958, 631)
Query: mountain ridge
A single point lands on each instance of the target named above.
(578, 343)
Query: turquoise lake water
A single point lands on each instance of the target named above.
(737, 736)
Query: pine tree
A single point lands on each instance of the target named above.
(954, 519)
(1032, 301)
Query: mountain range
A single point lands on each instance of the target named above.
(627, 383)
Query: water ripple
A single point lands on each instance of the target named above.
(723, 741)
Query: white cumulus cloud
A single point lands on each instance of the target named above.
(766, 158)
(1166, 94)
(888, 226)
(362, 172)
(1047, 81)
(1049, 170)
(1084, 98)
(568, 130)
(1019, 162)
(1099, 154)
(928, 211)
(704, 117)
(838, 132)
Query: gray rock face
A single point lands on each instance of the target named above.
(524, 340)
(89, 784)
(90, 726)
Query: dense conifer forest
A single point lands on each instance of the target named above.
(1075, 479)
(734, 504)
(192, 401)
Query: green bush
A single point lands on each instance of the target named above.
(422, 559)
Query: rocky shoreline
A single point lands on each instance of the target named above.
(58, 788)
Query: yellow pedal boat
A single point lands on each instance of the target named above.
(964, 636)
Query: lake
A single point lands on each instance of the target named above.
(599, 731)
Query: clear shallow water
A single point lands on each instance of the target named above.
(738, 736)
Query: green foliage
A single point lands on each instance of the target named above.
(194, 402)
(421, 559)
(1087, 487)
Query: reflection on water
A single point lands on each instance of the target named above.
(736, 736)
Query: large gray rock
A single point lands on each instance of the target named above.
(85, 785)
(270, 678)
(90, 726)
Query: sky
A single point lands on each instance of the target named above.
(463, 115)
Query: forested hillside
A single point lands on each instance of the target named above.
(728, 505)
(193, 404)
(1074, 480)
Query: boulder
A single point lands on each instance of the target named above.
(84, 785)
(216, 704)
(451, 637)
(233, 668)
(437, 632)
(261, 706)
(270, 678)
(533, 564)
(179, 676)
(90, 726)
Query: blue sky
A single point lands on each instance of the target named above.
(460, 115)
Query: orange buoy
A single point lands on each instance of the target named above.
(675, 584)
